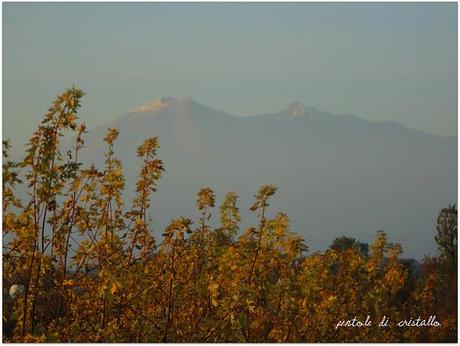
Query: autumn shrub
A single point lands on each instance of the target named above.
(93, 271)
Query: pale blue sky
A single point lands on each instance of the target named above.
(385, 61)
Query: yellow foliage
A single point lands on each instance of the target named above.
(95, 272)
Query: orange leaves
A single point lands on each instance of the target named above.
(148, 148)
(395, 280)
(213, 288)
(206, 198)
(112, 135)
(178, 227)
(68, 283)
(229, 213)
(115, 288)
(262, 197)
(213, 291)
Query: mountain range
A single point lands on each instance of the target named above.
(337, 174)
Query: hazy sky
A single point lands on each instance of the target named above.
(379, 61)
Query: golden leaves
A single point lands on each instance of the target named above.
(112, 135)
(229, 213)
(148, 147)
(93, 272)
(262, 196)
(115, 287)
(213, 289)
(68, 283)
(206, 198)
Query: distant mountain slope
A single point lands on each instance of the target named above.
(337, 174)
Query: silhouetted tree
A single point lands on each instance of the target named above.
(344, 243)
(447, 236)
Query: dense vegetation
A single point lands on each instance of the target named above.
(87, 267)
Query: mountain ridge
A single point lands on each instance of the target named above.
(293, 110)
(337, 174)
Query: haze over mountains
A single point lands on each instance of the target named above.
(336, 174)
